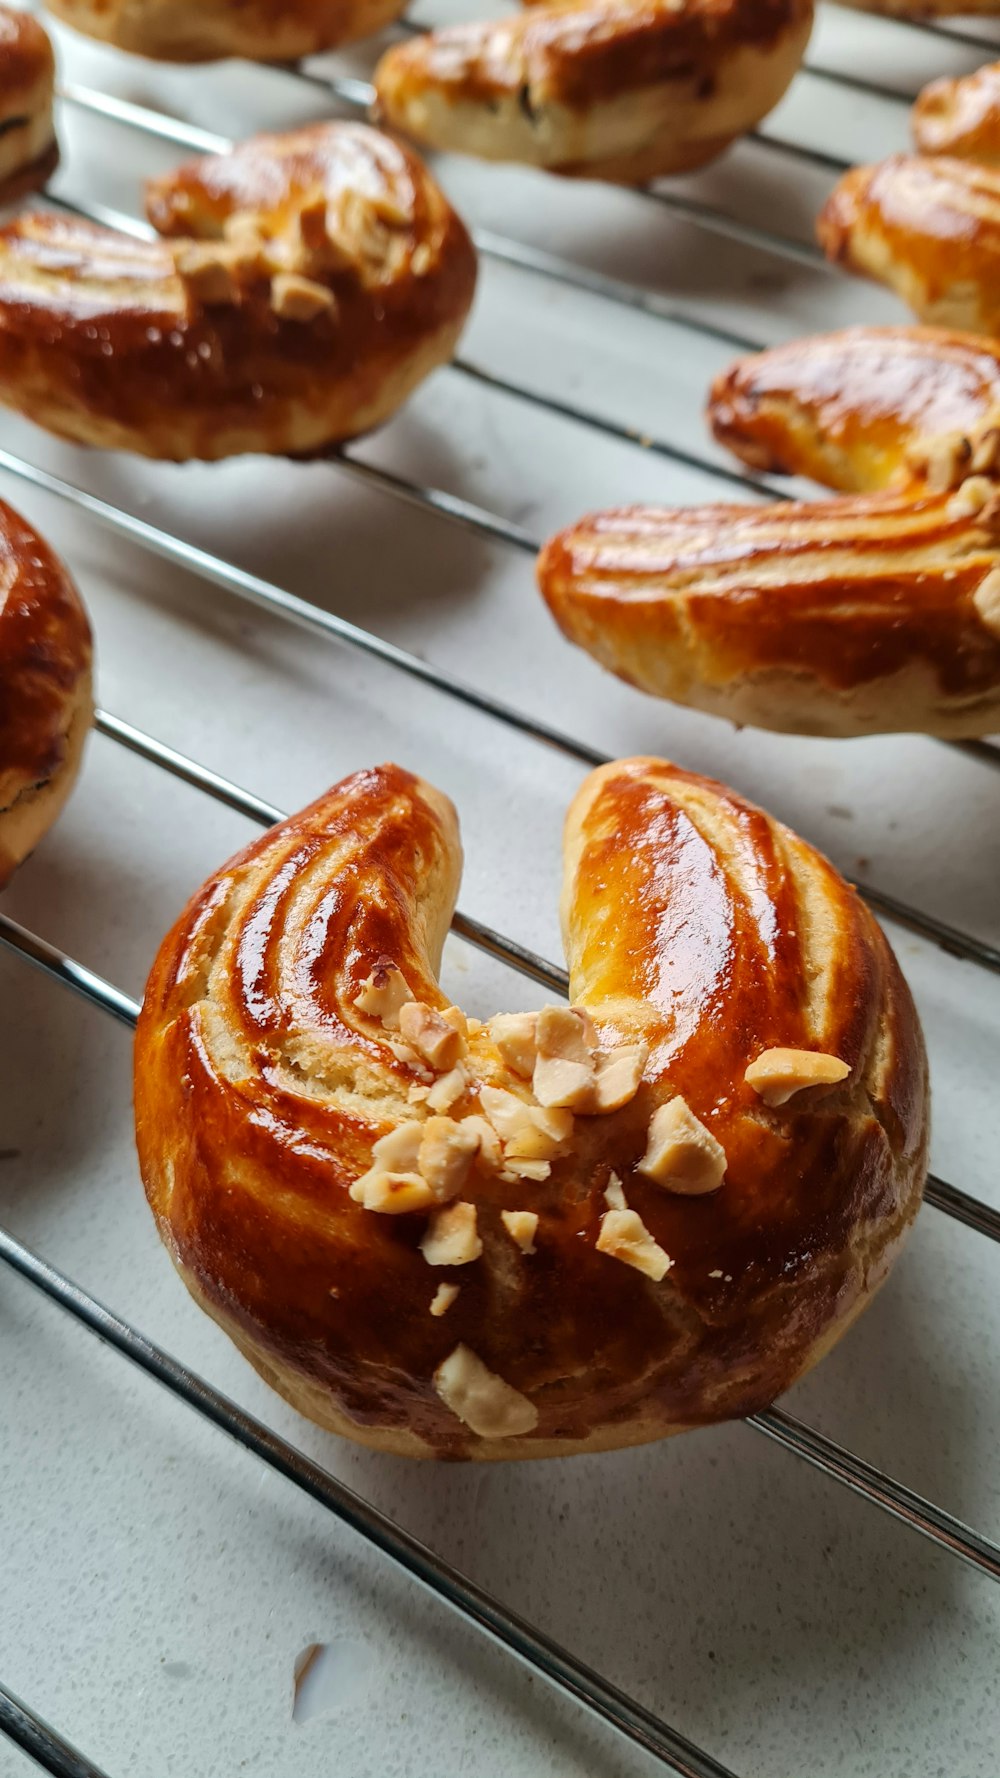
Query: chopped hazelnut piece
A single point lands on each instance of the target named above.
(535, 1170)
(295, 298)
(393, 1185)
(433, 1035)
(447, 1152)
(777, 1074)
(986, 455)
(681, 1154)
(948, 459)
(421, 260)
(528, 1132)
(565, 1069)
(447, 1089)
(560, 1082)
(418, 1095)
(514, 1035)
(521, 1226)
(614, 1197)
(452, 1238)
(443, 1298)
(986, 600)
(490, 1152)
(481, 1399)
(383, 993)
(618, 1075)
(207, 274)
(972, 498)
(625, 1236)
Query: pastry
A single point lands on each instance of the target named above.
(929, 227)
(28, 148)
(305, 285)
(624, 90)
(851, 616)
(46, 698)
(866, 408)
(921, 10)
(262, 31)
(961, 117)
(557, 1232)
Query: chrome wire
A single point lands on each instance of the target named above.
(42, 1743)
(962, 1205)
(803, 1441)
(473, 1603)
(275, 599)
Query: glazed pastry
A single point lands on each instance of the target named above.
(929, 227)
(866, 408)
(624, 90)
(309, 282)
(853, 616)
(46, 698)
(961, 117)
(262, 31)
(557, 1232)
(927, 9)
(28, 148)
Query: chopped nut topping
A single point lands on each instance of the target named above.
(514, 1035)
(443, 1298)
(421, 260)
(618, 1075)
(536, 1170)
(681, 1154)
(986, 455)
(715, 1274)
(393, 1185)
(452, 1238)
(295, 298)
(974, 498)
(528, 1132)
(490, 1152)
(384, 992)
(418, 1095)
(447, 1089)
(207, 274)
(447, 1152)
(948, 459)
(614, 1197)
(625, 1236)
(986, 600)
(777, 1074)
(482, 1400)
(435, 1036)
(521, 1226)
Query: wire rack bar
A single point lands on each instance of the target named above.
(801, 1440)
(42, 1743)
(473, 1603)
(963, 1206)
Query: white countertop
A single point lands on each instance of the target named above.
(156, 1583)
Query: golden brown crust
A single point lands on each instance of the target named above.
(206, 30)
(961, 117)
(310, 282)
(929, 227)
(624, 90)
(45, 687)
(862, 409)
(694, 925)
(836, 617)
(28, 150)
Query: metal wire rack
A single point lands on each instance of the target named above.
(638, 1725)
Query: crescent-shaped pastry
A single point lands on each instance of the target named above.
(28, 148)
(310, 282)
(46, 698)
(557, 1232)
(929, 227)
(623, 90)
(853, 616)
(866, 408)
(961, 117)
(207, 30)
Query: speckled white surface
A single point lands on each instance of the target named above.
(157, 1584)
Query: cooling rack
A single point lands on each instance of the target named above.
(581, 387)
